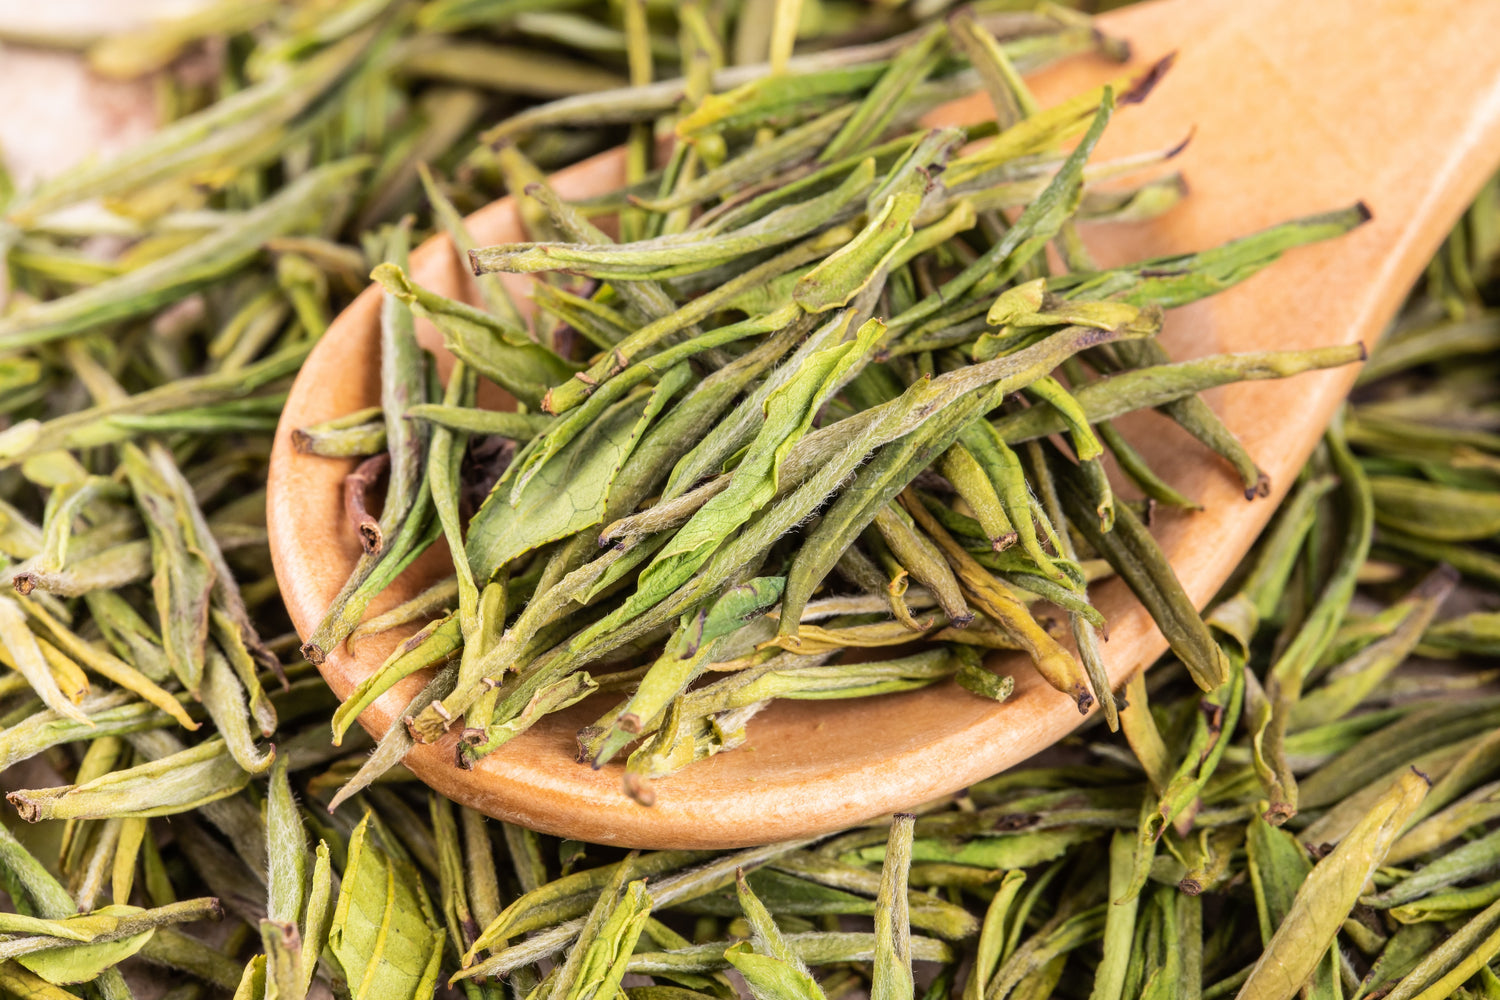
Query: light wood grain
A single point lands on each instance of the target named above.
(1297, 108)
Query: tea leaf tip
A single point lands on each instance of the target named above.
(1142, 87)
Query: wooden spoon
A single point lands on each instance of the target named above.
(1298, 107)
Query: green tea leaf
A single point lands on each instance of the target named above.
(383, 931)
(564, 497)
(82, 963)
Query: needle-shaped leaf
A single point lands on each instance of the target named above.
(789, 414)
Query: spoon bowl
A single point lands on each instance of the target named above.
(1296, 108)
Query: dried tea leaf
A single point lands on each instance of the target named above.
(383, 930)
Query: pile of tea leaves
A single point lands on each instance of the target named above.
(1315, 811)
(807, 404)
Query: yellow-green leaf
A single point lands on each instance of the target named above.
(383, 931)
(81, 963)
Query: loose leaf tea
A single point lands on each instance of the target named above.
(810, 385)
(773, 397)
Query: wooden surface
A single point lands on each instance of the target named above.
(1297, 108)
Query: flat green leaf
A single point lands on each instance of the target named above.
(843, 274)
(1278, 867)
(566, 495)
(383, 932)
(81, 963)
(772, 978)
(25, 985)
(1329, 893)
(253, 980)
(19, 923)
